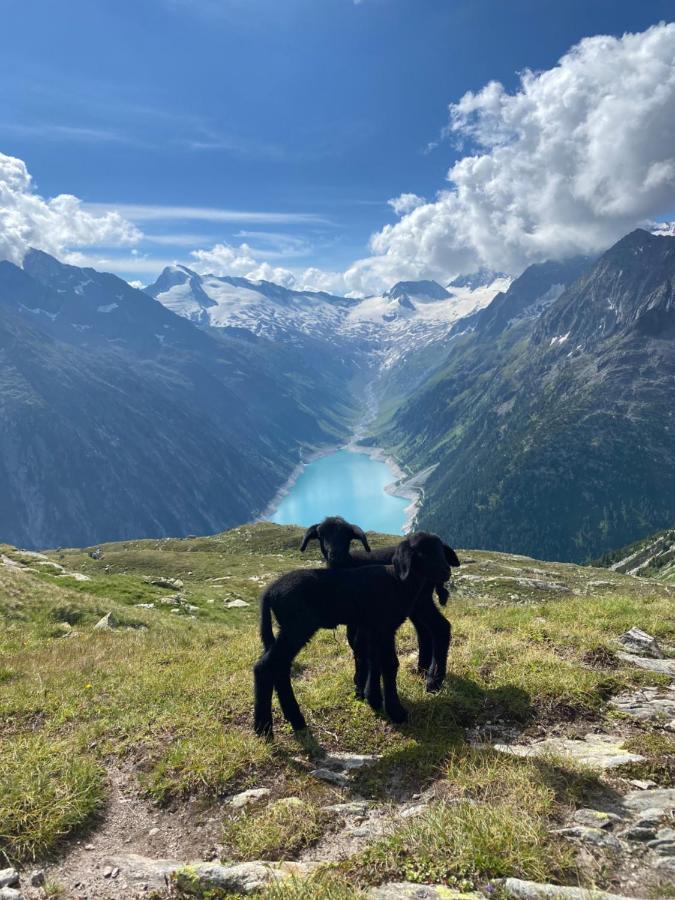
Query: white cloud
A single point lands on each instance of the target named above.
(55, 225)
(576, 157)
(406, 203)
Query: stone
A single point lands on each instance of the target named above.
(37, 878)
(597, 837)
(245, 798)
(141, 870)
(413, 811)
(107, 872)
(243, 878)
(144, 605)
(662, 799)
(347, 761)
(650, 818)
(236, 604)
(664, 843)
(407, 890)
(153, 832)
(531, 890)
(356, 809)
(9, 893)
(638, 641)
(665, 864)
(172, 600)
(336, 778)
(646, 704)
(643, 783)
(595, 818)
(8, 877)
(637, 833)
(107, 623)
(170, 583)
(662, 666)
(598, 751)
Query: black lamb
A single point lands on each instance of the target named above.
(376, 600)
(434, 632)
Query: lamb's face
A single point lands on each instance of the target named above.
(335, 535)
(425, 555)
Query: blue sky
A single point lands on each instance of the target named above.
(292, 122)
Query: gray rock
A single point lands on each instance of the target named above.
(662, 799)
(638, 641)
(357, 808)
(245, 798)
(650, 818)
(598, 751)
(594, 836)
(9, 893)
(244, 878)
(139, 870)
(407, 890)
(664, 842)
(595, 818)
(411, 812)
(237, 604)
(336, 778)
(637, 833)
(347, 761)
(37, 878)
(531, 890)
(662, 666)
(107, 623)
(8, 877)
(648, 703)
(665, 865)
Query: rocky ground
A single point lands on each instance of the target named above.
(536, 706)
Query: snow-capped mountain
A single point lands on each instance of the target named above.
(409, 315)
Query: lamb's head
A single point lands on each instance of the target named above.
(424, 555)
(335, 535)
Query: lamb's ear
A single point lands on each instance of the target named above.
(450, 556)
(311, 534)
(442, 593)
(360, 535)
(402, 560)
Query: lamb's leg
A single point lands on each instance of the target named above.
(358, 641)
(286, 653)
(263, 682)
(392, 705)
(373, 690)
(441, 631)
(424, 636)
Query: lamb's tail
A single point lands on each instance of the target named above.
(266, 632)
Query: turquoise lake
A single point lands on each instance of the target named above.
(344, 484)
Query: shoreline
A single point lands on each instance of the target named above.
(404, 486)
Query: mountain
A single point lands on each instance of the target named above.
(552, 434)
(418, 290)
(123, 419)
(377, 332)
(482, 277)
(650, 557)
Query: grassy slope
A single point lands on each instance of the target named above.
(170, 696)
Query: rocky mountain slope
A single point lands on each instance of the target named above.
(126, 750)
(553, 433)
(651, 557)
(120, 418)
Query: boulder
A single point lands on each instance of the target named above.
(8, 877)
(532, 890)
(245, 798)
(237, 604)
(598, 751)
(407, 890)
(107, 623)
(637, 641)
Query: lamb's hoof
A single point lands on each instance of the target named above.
(359, 695)
(398, 715)
(264, 730)
(434, 685)
(299, 726)
(375, 703)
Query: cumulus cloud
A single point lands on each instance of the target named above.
(226, 259)
(55, 225)
(406, 203)
(573, 159)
